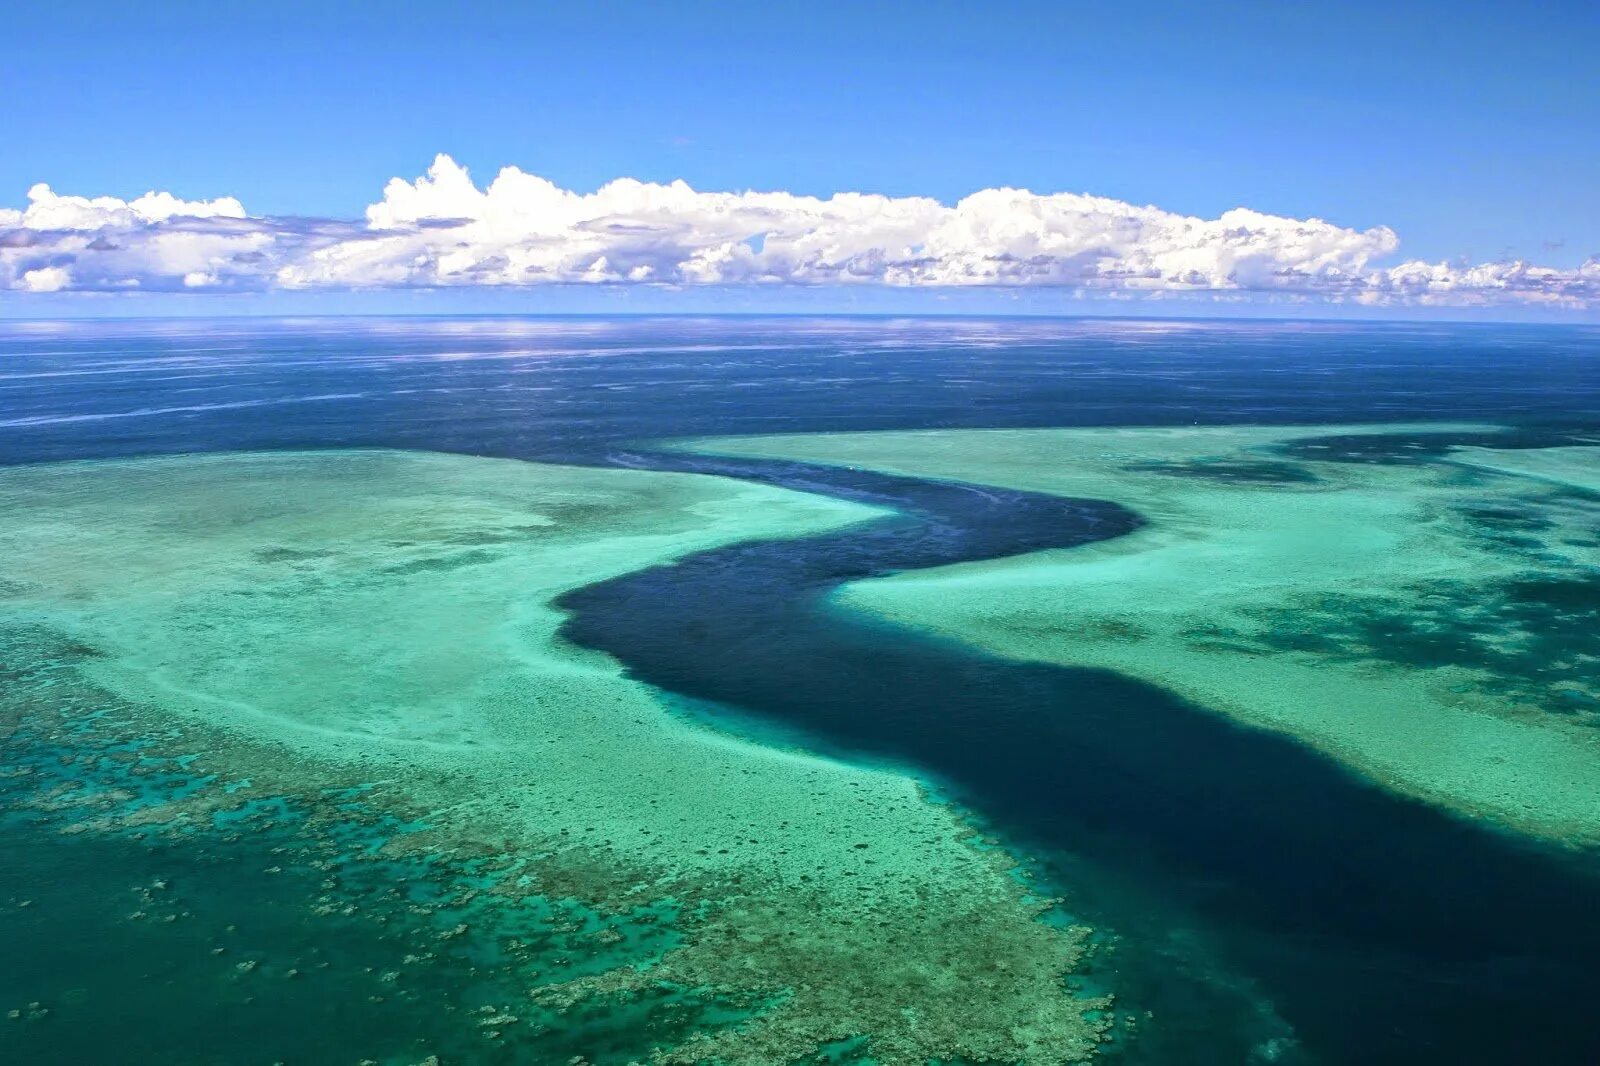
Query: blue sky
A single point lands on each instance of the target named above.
(1468, 129)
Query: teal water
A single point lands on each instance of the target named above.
(1331, 925)
(273, 931)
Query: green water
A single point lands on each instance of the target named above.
(1429, 623)
(296, 735)
(314, 712)
(191, 939)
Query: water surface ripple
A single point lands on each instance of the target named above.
(1383, 929)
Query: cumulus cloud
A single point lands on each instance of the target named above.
(153, 243)
(442, 229)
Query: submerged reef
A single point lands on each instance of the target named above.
(1428, 616)
(358, 650)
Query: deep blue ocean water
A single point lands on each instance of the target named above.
(1376, 929)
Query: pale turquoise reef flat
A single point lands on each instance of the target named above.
(1577, 466)
(1418, 621)
(308, 622)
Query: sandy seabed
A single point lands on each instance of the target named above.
(291, 627)
(1425, 616)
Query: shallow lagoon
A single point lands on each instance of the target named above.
(1427, 623)
(1339, 923)
(377, 627)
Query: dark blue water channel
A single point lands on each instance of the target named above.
(1381, 929)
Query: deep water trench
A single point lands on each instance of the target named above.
(1382, 929)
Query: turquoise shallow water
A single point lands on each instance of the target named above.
(1331, 924)
(183, 936)
(1377, 612)
(349, 638)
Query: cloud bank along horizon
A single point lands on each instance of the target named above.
(442, 230)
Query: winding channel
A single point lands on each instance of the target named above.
(1385, 931)
(1382, 929)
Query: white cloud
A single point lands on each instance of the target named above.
(152, 243)
(443, 230)
(45, 279)
(48, 211)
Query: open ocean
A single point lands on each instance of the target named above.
(1253, 899)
